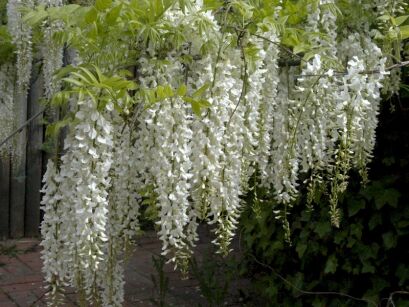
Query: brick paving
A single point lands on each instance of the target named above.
(21, 280)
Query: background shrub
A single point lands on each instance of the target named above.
(367, 257)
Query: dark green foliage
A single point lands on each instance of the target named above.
(215, 277)
(367, 257)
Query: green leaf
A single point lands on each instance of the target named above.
(102, 5)
(196, 108)
(401, 19)
(375, 220)
(74, 81)
(54, 129)
(331, 265)
(368, 268)
(322, 229)
(252, 51)
(64, 12)
(201, 90)
(300, 48)
(340, 236)
(160, 92)
(309, 55)
(402, 273)
(403, 224)
(60, 98)
(168, 91)
(212, 4)
(150, 96)
(356, 231)
(301, 248)
(113, 14)
(182, 90)
(86, 76)
(384, 17)
(204, 103)
(404, 32)
(355, 205)
(64, 71)
(389, 240)
(33, 18)
(91, 16)
(387, 196)
(245, 10)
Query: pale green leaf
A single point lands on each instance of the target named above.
(404, 32)
(181, 91)
(102, 5)
(113, 14)
(401, 19)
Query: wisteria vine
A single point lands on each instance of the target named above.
(191, 105)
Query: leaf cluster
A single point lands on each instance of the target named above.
(366, 257)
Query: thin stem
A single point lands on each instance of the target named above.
(286, 49)
(19, 129)
(303, 292)
(243, 88)
(302, 108)
(368, 72)
(390, 299)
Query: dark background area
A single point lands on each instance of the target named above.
(366, 257)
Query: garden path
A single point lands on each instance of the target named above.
(21, 280)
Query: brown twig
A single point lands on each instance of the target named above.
(303, 292)
(284, 48)
(367, 72)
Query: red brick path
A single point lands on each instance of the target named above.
(21, 281)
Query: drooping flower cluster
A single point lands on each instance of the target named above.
(123, 213)
(7, 75)
(216, 117)
(52, 53)
(83, 183)
(384, 10)
(21, 34)
(267, 107)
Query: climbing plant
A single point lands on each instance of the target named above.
(188, 105)
(365, 258)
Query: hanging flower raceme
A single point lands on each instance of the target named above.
(206, 149)
(293, 142)
(83, 182)
(251, 96)
(53, 246)
(7, 75)
(52, 53)
(208, 131)
(269, 96)
(225, 208)
(367, 87)
(123, 214)
(21, 34)
(285, 165)
(165, 160)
